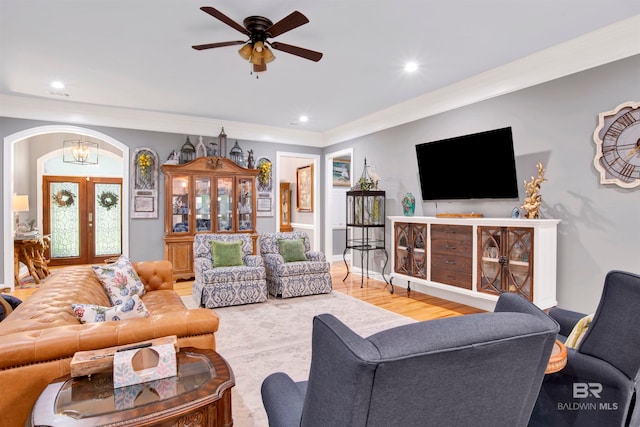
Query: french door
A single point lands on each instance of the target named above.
(83, 217)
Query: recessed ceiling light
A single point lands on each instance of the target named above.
(411, 67)
(304, 119)
(57, 85)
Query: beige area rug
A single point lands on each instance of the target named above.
(259, 339)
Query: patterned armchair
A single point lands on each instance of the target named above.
(225, 286)
(295, 278)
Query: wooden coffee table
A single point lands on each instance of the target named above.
(199, 395)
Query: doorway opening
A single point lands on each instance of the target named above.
(9, 185)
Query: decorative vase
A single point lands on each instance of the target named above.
(408, 204)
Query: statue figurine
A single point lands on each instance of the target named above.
(251, 164)
(533, 201)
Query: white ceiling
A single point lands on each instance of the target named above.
(137, 54)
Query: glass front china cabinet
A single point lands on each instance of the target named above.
(207, 195)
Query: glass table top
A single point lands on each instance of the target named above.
(87, 397)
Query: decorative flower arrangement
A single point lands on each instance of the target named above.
(63, 198)
(144, 161)
(108, 200)
(265, 172)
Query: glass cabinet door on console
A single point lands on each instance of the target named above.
(410, 249)
(203, 204)
(180, 204)
(244, 197)
(506, 260)
(224, 186)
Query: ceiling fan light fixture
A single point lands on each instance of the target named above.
(258, 47)
(268, 55)
(259, 68)
(245, 51)
(256, 60)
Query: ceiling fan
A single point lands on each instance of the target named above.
(259, 29)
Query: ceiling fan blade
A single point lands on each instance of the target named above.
(298, 51)
(212, 45)
(288, 23)
(224, 18)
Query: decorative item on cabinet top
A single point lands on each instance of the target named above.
(237, 155)
(222, 143)
(187, 152)
(408, 204)
(201, 148)
(533, 201)
(369, 179)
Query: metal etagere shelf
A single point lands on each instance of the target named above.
(365, 230)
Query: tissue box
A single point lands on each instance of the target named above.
(144, 364)
(93, 361)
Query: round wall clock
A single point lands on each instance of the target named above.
(617, 139)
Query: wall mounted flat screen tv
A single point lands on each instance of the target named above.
(476, 166)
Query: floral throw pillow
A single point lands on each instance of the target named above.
(119, 280)
(88, 313)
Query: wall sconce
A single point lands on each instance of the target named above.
(80, 152)
(222, 143)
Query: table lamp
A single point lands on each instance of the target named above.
(20, 204)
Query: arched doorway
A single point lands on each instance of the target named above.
(8, 187)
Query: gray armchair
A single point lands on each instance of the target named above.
(475, 370)
(308, 276)
(599, 385)
(244, 283)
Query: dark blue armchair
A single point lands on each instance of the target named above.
(475, 370)
(599, 385)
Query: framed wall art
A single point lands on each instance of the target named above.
(144, 183)
(341, 173)
(304, 188)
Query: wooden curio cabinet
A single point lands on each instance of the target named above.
(506, 260)
(207, 195)
(410, 249)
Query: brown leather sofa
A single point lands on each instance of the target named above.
(39, 338)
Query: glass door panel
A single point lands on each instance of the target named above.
(402, 248)
(180, 204)
(64, 220)
(245, 204)
(419, 237)
(107, 221)
(224, 187)
(520, 275)
(203, 204)
(490, 268)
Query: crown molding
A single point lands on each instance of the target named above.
(77, 113)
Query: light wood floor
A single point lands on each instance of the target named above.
(413, 304)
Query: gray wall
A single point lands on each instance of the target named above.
(552, 123)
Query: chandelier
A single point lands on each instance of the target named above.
(80, 152)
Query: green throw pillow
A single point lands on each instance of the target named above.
(226, 254)
(292, 249)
